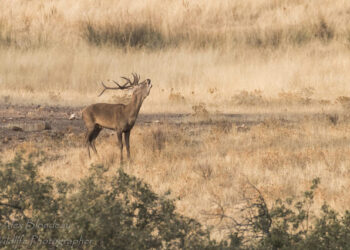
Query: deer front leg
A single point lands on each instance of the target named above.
(127, 143)
(120, 143)
(88, 141)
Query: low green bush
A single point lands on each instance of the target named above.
(100, 212)
(118, 211)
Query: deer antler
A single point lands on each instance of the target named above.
(135, 80)
(119, 87)
(127, 85)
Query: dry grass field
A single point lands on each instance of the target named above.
(56, 52)
(206, 59)
(205, 161)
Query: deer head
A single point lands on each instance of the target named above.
(143, 89)
(139, 88)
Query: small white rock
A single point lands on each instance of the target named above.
(73, 117)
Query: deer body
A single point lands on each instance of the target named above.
(118, 117)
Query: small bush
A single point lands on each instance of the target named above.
(245, 98)
(301, 97)
(200, 110)
(176, 97)
(224, 126)
(254, 39)
(344, 101)
(155, 140)
(159, 140)
(333, 118)
(204, 170)
(323, 31)
(5, 36)
(299, 35)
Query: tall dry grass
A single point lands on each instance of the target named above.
(157, 23)
(226, 82)
(56, 52)
(209, 164)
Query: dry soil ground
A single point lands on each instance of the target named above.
(21, 123)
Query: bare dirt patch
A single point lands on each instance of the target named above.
(22, 123)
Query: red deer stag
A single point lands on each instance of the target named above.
(118, 117)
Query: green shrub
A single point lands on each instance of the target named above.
(117, 212)
(291, 224)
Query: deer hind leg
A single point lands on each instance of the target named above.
(91, 135)
(95, 133)
(87, 141)
(120, 143)
(127, 143)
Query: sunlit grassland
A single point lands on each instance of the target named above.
(181, 78)
(57, 52)
(206, 165)
(223, 56)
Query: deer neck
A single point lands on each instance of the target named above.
(133, 107)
